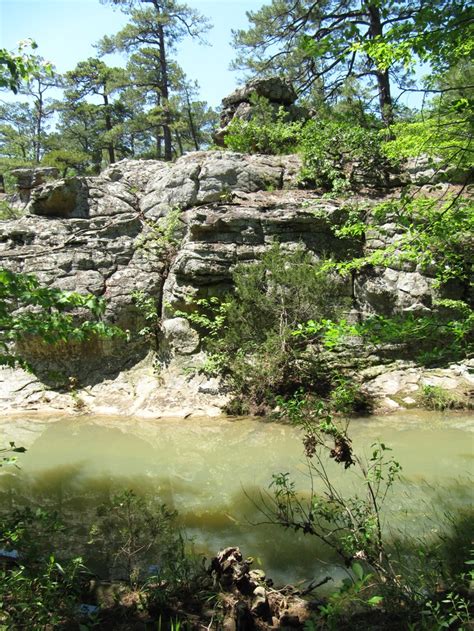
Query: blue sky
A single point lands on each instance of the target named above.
(65, 31)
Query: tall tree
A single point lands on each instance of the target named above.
(17, 131)
(42, 80)
(80, 128)
(94, 78)
(146, 80)
(330, 41)
(159, 26)
(194, 120)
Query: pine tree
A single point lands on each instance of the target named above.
(158, 27)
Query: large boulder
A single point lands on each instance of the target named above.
(27, 179)
(274, 89)
(204, 177)
(63, 198)
(277, 91)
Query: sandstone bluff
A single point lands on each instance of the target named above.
(97, 235)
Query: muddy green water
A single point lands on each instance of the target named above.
(208, 468)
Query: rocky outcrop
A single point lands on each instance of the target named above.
(101, 235)
(27, 179)
(278, 92)
(404, 385)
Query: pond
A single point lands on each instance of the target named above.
(212, 472)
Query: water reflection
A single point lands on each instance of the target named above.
(212, 471)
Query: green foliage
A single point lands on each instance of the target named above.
(7, 213)
(66, 160)
(134, 540)
(326, 332)
(355, 593)
(437, 33)
(130, 530)
(259, 355)
(28, 309)
(45, 598)
(438, 337)
(437, 236)
(350, 524)
(208, 314)
(146, 305)
(453, 611)
(444, 335)
(163, 237)
(267, 131)
(141, 542)
(152, 33)
(340, 156)
(437, 135)
(443, 131)
(19, 66)
(17, 134)
(37, 587)
(347, 397)
(436, 398)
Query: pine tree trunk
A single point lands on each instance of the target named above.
(192, 126)
(382, 76)
(158, 139)
(179, 143)
(108, 127)
(164, 91)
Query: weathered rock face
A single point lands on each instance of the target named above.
(221, 236)
(98, 235)
(277, 91)
(27, 179)
(62, 198)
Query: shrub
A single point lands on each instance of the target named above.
(267, 131)
(348, 522)
(36, 587)
(131, 530)
(348, 398)
(259, 355)
(340, 156)
(436, 398)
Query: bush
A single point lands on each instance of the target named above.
(268, 130)
(436, 398)
(348, 398)
(130, 531)
(340, 156)
(36, 587)
(139, 556)
(258, 352)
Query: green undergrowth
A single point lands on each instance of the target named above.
(262, 343)
(249, 335)
(127, 564)
(440, 399)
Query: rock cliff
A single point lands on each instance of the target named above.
(99, 235)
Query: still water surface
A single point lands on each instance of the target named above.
(208, 468)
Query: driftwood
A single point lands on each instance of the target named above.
(250, 601)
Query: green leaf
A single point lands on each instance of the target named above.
(375, 600)
(358, 570)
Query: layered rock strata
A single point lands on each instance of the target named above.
(99, 235)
